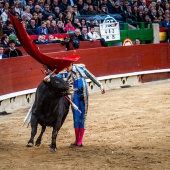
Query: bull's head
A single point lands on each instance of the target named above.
(59, 85)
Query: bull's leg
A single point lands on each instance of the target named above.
(34, 124)
(53, 142)
(38, 141)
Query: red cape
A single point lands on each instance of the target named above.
(58, 63)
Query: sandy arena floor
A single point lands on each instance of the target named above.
(127, 129)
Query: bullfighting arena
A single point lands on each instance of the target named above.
(127, 129)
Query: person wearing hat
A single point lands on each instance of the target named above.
(12, 51)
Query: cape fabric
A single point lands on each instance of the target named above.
(58, 63)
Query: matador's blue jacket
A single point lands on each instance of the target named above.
(78, 76)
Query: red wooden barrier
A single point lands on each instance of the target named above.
(22, 73)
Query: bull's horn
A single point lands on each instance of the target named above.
(47, 78)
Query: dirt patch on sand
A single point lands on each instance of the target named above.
(127, 129)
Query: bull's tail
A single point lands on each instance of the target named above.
(28, 117)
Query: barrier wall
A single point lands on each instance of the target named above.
(22, 73)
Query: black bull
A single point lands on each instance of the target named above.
(49, 109)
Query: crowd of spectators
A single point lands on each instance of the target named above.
(41, 17)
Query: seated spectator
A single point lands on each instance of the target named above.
(43, 28)
(12, 51)
(84, 11)
(56, 12)
(75, 10)
(5, 41)
(95, 36)
(117, 8)
(19, 8)
(92, 23)
(70, 17)
(12, 9)
(91, 10)
(2, 55)
(37, 18)
(16, 14)
(27, 13)
(32, 28)
(61, 17)
(37, 9)
(60, 27)
(63, 5)
(76, 23)
(4, 15)
(47, 12)
(42, 40)
(103, 10)
(137, 41)
(69, 28)
(76, 38)
(85, 34)
(55, 4)
(53, 29)
(83, 23)
(8, 29)
(166, 22)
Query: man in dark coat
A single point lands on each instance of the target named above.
(12, 51)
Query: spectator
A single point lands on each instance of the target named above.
(80, 5)
(16, 14)
(140, 17)
(76, 11)
(166, 22)
(60, 27)
(47, 12)
(61, 17)
(4, 15)
(37, 19)
(117, 9)
(2, 55)
(85, 34)
(12, 9)
(77, 24)
(76, 38)
(70, 17)
(103, 10)
(56, 12)
(19, 9)
(53, 29)
(43, 28)
(12, 51)
(27, 13)
(5, 41)
(36, 9)
(95, 36)
(63, 6)
(8, 29)
(137, 41)
(69, 28)
(31, 5)
(32, 28)
(84, 11)
(55, 4)
(92, 11)
(83, 22)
